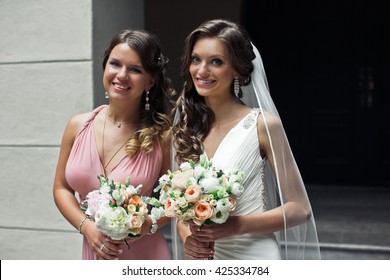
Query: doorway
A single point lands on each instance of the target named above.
(328, 68)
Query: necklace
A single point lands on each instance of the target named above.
(118, 124)
(117, 151)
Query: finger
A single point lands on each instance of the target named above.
(116, 242)
(197, 249)
(109, 250)
(193, 255)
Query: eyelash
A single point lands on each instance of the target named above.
(195, 59)
(134, 70)
(114, 63)
(215, 61)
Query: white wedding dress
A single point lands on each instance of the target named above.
(240, 148)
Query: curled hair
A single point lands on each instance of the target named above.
(195, 118)
(156, 121)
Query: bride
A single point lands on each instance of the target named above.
(226, 113)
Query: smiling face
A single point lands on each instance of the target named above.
(211, 69)
(124, 77)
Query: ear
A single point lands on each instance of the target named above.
(150, 84)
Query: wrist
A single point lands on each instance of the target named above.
(85, 218)
(239, 225)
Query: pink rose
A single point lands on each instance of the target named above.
(95, 201)
(192, 194)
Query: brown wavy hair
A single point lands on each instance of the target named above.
(155, 122)
(194, 119)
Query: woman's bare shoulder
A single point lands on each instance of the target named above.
(76, 122)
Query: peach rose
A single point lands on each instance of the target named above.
(192, 194)
(131, 209)
(203, 210)
(136, 222)
(136, 200)
(233, 203)
(170, 208)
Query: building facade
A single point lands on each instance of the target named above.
(50, 70)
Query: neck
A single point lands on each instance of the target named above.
(122, 115)
(223, 109)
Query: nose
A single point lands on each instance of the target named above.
(203, 70)
(122, 74)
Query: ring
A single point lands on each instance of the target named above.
(101, 247)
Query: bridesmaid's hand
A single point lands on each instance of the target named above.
(110, 249)
(104, 247)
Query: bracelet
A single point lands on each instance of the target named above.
(82, 222)
(154, 226)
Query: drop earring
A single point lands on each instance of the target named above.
(147, 105)
(106, 95)
(236, 87)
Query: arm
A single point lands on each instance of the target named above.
(65, 199)
(165, 147)
(296, 208)
(64, 196)
(193, 247)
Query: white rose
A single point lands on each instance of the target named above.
(199, 171)
(237, 189)
(185, 166)
(210, 185)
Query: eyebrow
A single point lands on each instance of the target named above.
(221, 56)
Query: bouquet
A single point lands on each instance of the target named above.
(199, 192)
(117, 209)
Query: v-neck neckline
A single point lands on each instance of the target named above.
(226, 136)
(97, 149)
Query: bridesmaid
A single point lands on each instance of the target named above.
(127, 137)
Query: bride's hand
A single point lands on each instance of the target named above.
(196, 250)
(212, 232)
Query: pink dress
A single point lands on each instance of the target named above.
(81, 173)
